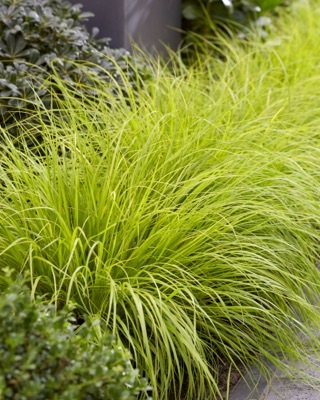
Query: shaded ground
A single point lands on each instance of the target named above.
(228, 378)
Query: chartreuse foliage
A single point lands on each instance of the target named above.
(186, 218)
(42, 358)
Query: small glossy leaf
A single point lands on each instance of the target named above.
(17, 103)
(86, 15)
(20, 44)
(95, 31)
(34, 55)
(35, 16)
(228, 3)
(10, 40)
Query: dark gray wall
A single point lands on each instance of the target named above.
(152, 22)
(147, 22)
(109, 18)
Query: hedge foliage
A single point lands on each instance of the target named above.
(42, 357)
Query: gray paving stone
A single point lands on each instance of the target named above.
(288, 390)
(250, 388)
(278, 387)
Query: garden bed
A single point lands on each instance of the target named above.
(182, 210)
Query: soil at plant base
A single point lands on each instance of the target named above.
(228, 377)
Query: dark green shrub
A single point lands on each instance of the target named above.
(38, 37)
(203, 16)
(42, 358)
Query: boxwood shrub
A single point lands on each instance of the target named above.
(42, 357)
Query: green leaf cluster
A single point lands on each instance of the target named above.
(42, 357)
(206, 16)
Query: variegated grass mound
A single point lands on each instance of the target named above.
(185, 215)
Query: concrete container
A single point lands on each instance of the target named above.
(149, 23)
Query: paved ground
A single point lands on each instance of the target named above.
(279, 387)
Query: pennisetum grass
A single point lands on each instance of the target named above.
(184, 212)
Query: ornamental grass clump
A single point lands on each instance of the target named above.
(186, 218)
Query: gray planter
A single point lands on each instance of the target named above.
(149, 23)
